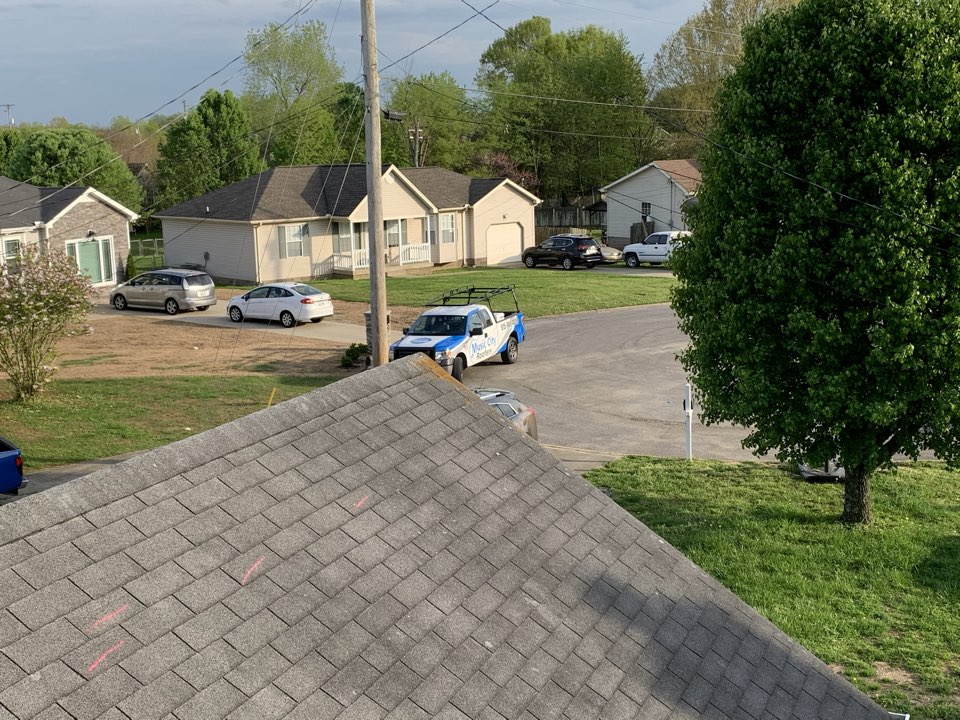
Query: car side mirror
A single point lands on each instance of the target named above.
(406, 330)
(476, 331)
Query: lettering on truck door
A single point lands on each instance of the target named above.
(480, 347)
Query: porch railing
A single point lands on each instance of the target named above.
(360, 259)
(414, 254)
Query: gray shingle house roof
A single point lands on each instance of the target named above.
(318, 190)
(384, 547)
(22, 204)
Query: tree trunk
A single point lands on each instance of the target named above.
(856, 497)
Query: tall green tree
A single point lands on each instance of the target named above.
(74, 156)
(290, 72)
(532, 74)
(209, 147)
(691, 64)
(11, 138)
(436, 107)
(820, 289)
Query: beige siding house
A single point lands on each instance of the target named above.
(311, 222)
(653, 195)
(81, 222)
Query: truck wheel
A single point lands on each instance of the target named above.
(631, 260)
(509, 356)
(458, 367)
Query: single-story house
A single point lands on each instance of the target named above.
(652, 197)
(311, 221)
(387, 546)
(80, 221)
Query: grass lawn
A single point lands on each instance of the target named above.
(881, 604)
(101, 418)
(541, 292)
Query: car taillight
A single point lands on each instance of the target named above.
(307, 301)
(19, 463)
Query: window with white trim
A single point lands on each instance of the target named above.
(342, 243)
(645, 209)
(396, 232)
(11, 250)
(294, 240)
(448, 229)
(430, 230)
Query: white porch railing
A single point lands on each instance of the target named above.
(415, 254)
(360, 259)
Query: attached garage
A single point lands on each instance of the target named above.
(504, 243)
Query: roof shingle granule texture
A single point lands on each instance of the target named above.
(384, 547)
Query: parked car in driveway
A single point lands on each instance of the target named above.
(172, 289)
(567, 251)
(610, 255)
(655, 248)
(521, 416)
(287, 302)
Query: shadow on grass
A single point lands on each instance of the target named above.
(941, 570)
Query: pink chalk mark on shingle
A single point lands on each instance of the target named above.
(96, 663)
(362, 501)
(109, 616)
(252, 569)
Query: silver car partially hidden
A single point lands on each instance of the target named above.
(170, 289)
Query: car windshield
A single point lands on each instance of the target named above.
(198, 280)
(306, 290)
(439, 325)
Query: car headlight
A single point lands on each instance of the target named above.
(443, 354)
(390, 354)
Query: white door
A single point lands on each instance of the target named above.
(504, 243)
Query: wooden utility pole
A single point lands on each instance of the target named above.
(378, 274)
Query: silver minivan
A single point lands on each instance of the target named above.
(171, 289)
(655, 249)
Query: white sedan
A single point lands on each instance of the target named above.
(288, 302)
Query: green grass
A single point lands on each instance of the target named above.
(541, 292)
(78, 420)
(881, 603)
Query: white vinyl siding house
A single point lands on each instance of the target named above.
(305, 222)
(653, 195)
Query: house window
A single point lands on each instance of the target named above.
(342, 243)
(294, 240)
(360, 236)
(94, 258)
(645, 209)
(430, 230)
(448, 231)
(11, 250)
(396, 232)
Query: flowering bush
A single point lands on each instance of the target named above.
(42, 298)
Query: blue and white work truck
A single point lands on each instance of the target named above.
(465, 327)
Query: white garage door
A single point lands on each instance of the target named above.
(504, 243)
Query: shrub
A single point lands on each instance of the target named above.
(353, 354)
(43, 298)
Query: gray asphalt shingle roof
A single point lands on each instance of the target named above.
(24, 204)
(318, 190)
(384, 547)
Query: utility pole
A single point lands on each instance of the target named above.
(7, 108)
(415, 134)
(378, 274)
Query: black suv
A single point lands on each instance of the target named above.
(568, 251)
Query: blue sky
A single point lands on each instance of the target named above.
(92, 60)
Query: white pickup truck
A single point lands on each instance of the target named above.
(462, 329)
(655, 249)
